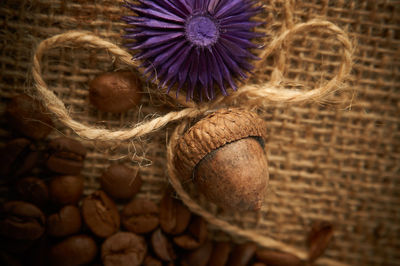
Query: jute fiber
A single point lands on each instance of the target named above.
(333, 139)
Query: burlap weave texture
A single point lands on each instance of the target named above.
(338, 162)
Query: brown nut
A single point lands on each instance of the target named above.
(34, 190)
(277, 258)
(28, 117)
(66, 156)
(21, 220)
(174, 216)
(66, 189)
(120, 181)
(161, 246)
(195, 237)
(75, 250)
(115, 92)
(242, 254)
(17, 158)
(318, 239)
(100, 214)
(140, 216)
(224, 153)
(198, 257)
(123, 248)
(150, 261)
(66, 222)
(220, 254)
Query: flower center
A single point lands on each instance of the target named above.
(201, 30)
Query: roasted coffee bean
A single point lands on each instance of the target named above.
(140, 216)
(115, 92)
(123, 248)
(17, 158)
(120, 181)
(21, 220)
(220, 254)
(242, 254)
(28, 117)
(150, 261)
(196, 234)
(161, 246)
(100, 214)
(259, 264)
(277, 258)
(174, 216)
(66, 190)
(198, 257)
(75, 250)
(34, 190)
(318, 239)
(66, 222)
(66, 156)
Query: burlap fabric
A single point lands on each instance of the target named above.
(337, 160)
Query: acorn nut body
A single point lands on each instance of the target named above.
(224, 155)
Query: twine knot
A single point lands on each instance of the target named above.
(249, 96)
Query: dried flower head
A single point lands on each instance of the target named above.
(194, 42)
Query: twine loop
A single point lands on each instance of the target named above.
(248, 96)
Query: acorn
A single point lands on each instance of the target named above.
(223, 154)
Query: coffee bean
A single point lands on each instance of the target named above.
(65, 190)
(220, 254)
(162, 247)
(318, 239)
(33, 189)
(75, 250)
(258, 264)
(28, 117)
(196, 235)
(174, 216)
(120, 181)
(115, 92)
(66, 222)
(100, 214)
(242, 254)
(21, 220)
(198, 257)
(65, 156)
(277, 258)
(123, 248)
(140, 216)
(150, 261)
(17, 158)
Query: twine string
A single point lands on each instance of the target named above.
(248, 96)
(251, 235)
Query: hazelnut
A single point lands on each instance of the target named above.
(224, 154)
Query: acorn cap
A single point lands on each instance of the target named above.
(214, 131)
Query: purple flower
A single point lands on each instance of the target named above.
(197, 43)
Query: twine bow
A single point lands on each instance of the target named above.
(249, 96)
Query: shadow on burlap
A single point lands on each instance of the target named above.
(337, 160)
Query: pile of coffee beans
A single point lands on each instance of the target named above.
(45, 219)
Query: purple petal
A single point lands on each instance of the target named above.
(240, 41)
(156, 14)
(155, 51)
(152, 23)
(229, 62)
(158, 40)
